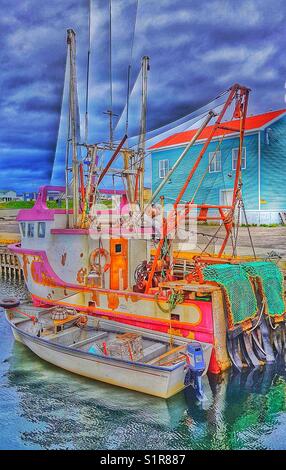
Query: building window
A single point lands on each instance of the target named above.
(163, 168)
(243, 158)
(41, 229)
(30, 231)
(23, 229)
(214, 162)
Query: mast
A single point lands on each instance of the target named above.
(142, 135)
(87, 73)
(73, 117)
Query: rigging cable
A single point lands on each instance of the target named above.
(148, 153)
(248, 229)
(178, 123)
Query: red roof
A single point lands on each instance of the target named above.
(251, 123)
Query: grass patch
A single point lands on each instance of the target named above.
(17, 204)
(50, 204)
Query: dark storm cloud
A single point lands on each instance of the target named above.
(197, 49)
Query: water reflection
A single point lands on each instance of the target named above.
(42, 406)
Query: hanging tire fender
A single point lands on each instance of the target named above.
(9, 302)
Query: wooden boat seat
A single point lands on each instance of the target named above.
(16, 321)
(153, 351)
(60, 334)
(167, 354)
(96, 337)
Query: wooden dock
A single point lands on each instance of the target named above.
(9, 265)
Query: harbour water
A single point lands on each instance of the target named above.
(43, 407)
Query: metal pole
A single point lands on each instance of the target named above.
(73, 122)
(67, 160)
(109, 163)
(233, 90)
(87, 73)
(210, 115)
(142, 137)
(241, 136)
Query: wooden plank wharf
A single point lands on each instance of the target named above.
(9, 264)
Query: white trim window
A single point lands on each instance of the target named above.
(31, 230)
(41, 229)
(163, 168)
(215, 162)
(23, 228)
(243, 158)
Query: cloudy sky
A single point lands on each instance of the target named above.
(197, 49)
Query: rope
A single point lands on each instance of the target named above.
(234, 252)
(260, 316)
(211, 240)
(248, 229)
(32, 317)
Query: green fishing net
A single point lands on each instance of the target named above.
(271, 279)
(239, 292)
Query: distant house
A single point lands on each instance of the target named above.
(54, 195)
(8, 195)
(263, 166)
(30, 196)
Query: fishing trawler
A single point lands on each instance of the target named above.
(127, 263)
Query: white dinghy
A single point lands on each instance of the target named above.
(127, 356)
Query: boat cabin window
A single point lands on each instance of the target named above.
(41, 229)
(118, 248)
(31, 229)
(23, 228)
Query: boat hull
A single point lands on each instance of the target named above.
(149, 379)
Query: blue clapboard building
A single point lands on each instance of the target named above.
(263, 166)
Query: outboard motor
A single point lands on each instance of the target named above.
(196, 366)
